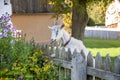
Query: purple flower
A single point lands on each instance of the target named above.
(7, 18)
(1, 35)
(19, 32)
(2, 19)
(14, 35)
(20, 77)
(7, 26)
(5, 30)
(5, 34)
(12, 29)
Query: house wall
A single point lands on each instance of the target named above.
(34, 25)
(5, 7)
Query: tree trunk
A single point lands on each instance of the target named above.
(79, 20)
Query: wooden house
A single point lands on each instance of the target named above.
(112, 19)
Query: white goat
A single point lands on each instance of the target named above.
(58, 33)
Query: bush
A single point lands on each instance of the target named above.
(22, 59)
(91, 22)
(8, 35)
(96, 12)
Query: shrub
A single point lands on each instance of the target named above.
(8, 35)
(96, 11)
(20, 59)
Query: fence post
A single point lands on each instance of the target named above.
(90, 63)
(117, 65)
(98, 63)
(78, 67)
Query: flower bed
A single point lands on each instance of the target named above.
(20, 59)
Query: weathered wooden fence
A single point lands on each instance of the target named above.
(30, 6)
(81, 70)
(102, 33)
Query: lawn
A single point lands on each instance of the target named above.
(111, 47)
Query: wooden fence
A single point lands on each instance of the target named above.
(102, 33)
(30, 6)
(81, 70)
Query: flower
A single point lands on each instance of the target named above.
(51, 61)
(20, 77)
(13, 35)
(46, 57)
(2, 19)
(18, 32)
(5, 30)
(46, 60)
(6, 27)
(46, 68)
(1, 35)
(12, 29)
(5, 34)
(7, 18)
(41, 52)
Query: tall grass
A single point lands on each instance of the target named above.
(111, 47)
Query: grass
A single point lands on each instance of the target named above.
(111, 47)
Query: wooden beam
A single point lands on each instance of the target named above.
(103, 74)
(63, 63)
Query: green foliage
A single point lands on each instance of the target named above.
(60, 6)
(96, 9)
(27, 61)
(91, 22)
(96, 12)
(23, 60)
(8, 34)
(67, 20)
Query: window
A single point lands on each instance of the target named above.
(5, 2)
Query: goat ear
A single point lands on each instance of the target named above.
(62, 26)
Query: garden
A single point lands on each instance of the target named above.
(20, 59)
(27, 60)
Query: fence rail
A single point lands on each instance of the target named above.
(92, 69)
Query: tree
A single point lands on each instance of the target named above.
(79, 19)
(79, 14)
(97, 12)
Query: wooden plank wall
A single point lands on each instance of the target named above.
(30, 6)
